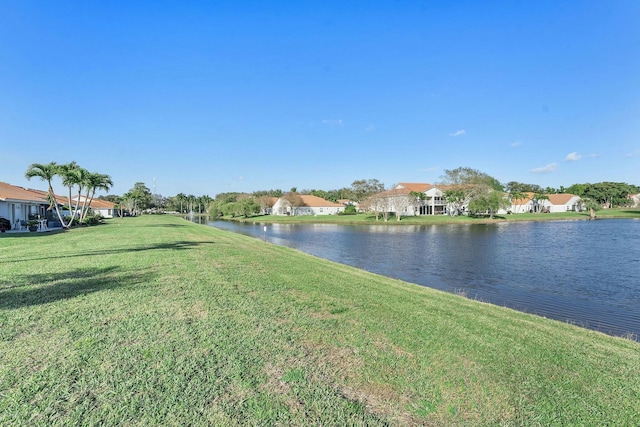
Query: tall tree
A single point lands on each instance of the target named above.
(73, 176)
(180, 199)
(265, 202)
(514, 196)
(464, 184)
(138, 198)
(94, 182)
(417, 199)
(491, 201)
(519, 187)
(592, 205)
(46, 172)
(538, 201)
(363, 188)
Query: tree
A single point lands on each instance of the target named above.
(490, 201)
(516, 195)
(519, 187)
(457, 198)
(592, 205)
(464, 184)
(379, 204)
(203, 203)
(94, 181)
(294, 200)
(538, 201)
(47, 172)
(73, 175)
(417, 199)
(248, 207)
(138, 198)
(361, 189)
(265, 203)
(176, 202)
(398, 200)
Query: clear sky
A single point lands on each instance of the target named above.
(218, 96)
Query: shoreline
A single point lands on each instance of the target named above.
(368, 219)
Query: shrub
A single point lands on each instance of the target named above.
(92, 219)
(349, 210)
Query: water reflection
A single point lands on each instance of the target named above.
(584, 272)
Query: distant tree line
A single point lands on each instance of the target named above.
(466, 187)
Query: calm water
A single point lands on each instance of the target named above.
(583, 272)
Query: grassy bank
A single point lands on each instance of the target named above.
(368, 218)
(159, 321)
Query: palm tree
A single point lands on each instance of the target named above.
(515, 196)
(191, 198)
(46, 172)
(73, 175)
(181, 197)
(94, 181)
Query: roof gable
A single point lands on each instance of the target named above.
(315, 201)
(419, 187)
(560, 199)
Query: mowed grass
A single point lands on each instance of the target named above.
(159, 321)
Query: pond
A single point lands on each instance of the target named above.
(583, 272)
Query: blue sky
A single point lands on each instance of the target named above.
(211, 97)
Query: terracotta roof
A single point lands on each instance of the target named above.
(12, 192)
(315, 201)
(60, 199)
(560, 199)
(102, 204)
(528, 197)
(419, 187)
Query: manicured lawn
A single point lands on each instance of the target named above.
(159, 321)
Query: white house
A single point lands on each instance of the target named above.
(563, 202)
(398, 200)
(309, 205)
(17, 203)
(105, 208)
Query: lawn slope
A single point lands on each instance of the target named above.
(159, 321)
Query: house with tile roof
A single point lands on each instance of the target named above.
(18, 203)
(309, 205)
(433, 203)
(104, 208)
(563, 202)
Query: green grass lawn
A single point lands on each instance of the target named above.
(159, 321)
